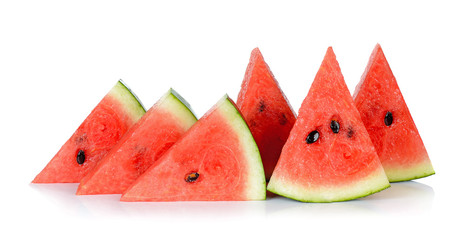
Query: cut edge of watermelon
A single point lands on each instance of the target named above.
(128, 100)
(423, 167)
(257, 54)
(172, 103)
(371, 184)
(256, 186)
(420, 170)
(125, 99)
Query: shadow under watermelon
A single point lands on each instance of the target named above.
(400, 199)
(199, 210)
(407, 197)
(63, 196)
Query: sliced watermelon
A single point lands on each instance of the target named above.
(145, 142)
(266, 110)
(389, 123)
(328, 156)
(216, 160)
(99, 132)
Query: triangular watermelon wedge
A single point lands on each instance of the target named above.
(163, 124)
(96, 135)
(329, 155)
(216, 160)
(389, 123)
(266, 110)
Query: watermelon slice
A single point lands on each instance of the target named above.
(99, 132)
(145, 142)
(216, 160)
(329, 155)
(266, 110)
(389, 123)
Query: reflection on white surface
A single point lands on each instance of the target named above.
(401, 198)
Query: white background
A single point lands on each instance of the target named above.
(57, 60)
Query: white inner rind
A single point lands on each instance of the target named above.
(171, 103)
(128, 100)
(422, 169)
(256, 183)
(375, 182)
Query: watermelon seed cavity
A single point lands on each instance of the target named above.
(312, 137)
(334, 126)
(350, 132)
(81, 157)
(81, 138)
(261, 108)
(283, 119)
(191, 177)
(388, 119)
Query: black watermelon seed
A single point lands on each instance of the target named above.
(388, 119)
(81, 157)
(261, 107)
(334, 126)
(312, 137)
(191, 177)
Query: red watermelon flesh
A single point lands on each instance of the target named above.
(397, 142)
(266, 110)
(145, 142)
(96, 135)
(216, 160)
(341, 162)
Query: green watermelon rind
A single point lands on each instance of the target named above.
(182, 100)
(131, 103)
(411, 178)
(378, 180)
(178, 105)
(256, 186)
(422, 170)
